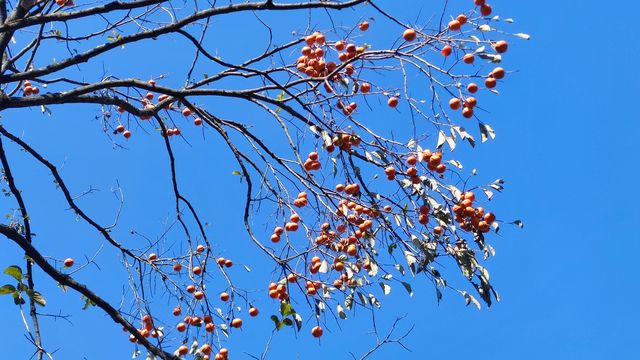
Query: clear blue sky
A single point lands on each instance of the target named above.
(566, 145)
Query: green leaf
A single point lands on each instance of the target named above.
(87, 303)
(286, 309)
(14, 271)
(7, 289)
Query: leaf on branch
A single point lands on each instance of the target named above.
(407, 286)
(494, 58)
(17, 299)
(348, 301)
(442, 138)
(286, 309)
(518, 223)
(523, 36)
(374, 301)
(341, 312)
(324, 267)
(15, 272)
(488, 193)
(386, 288)
(363, 299)
(7, 289)
(411, 261)
(497, 185)
(486, 132)
(470, 299)
(298, 320)
(37, 297)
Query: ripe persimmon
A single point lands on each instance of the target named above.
(253, 312)
(69, 262)
(365, 88)
(236, 323)
(468, 58)
(181, 327)
(183, 350)
(490, 218)
(454, 25)
(126, 134)
(363, 26)
(501, 46)
(462, 19)
(472, 88)
(152, 257)
(186, 112)
(485, 10)
(446, 50)
(316, 331)
(470, 102)
(409, 35)
(490, 83)
(498, 73)
(455, 104)
(467, 112)
(224, 296)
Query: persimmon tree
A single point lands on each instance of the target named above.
(353, 209)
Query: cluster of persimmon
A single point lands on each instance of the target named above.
(312, 162)
(279, 291)
(224, 262)
(147, 104)
(349, 189)
(343, 142)
(491, 81)
(470, 218)
(122, 130)
(28, 89)
(433, 160)
(467, 104)
(301, 200)
(205, 350)
(148, 329)
(292, 225)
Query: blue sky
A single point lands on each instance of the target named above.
(566, 145)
